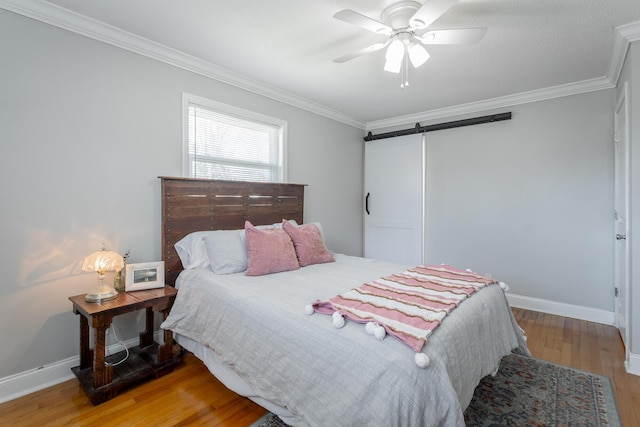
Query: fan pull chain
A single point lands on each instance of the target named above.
(406, 70)
(404, 73)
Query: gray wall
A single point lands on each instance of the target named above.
(86, 129)
(528, 200)
(630, 74)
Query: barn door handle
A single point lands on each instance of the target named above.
(366, 203)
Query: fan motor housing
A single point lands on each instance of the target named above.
(398, 14)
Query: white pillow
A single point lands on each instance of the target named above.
(276, 225)
(317, 224)
(227, 251)
(192, 251)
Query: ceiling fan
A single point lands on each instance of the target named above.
(406, 24)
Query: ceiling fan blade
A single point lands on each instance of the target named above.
(458, 36)
(429, 12)
(363, 51)
(359, 20)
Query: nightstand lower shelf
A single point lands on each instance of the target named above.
(101, 380)
(141, 364)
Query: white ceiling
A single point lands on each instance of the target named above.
(288, 46)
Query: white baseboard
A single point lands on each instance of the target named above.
(561, 309)
(633, 364)
(33, 380)
(27, 382)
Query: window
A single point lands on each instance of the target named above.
(225, 142)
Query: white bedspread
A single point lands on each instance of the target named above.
(341, 377)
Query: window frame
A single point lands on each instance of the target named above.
(233, 112)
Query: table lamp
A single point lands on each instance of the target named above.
(102, 261)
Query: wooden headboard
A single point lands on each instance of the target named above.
(190, 204)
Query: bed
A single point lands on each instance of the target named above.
(255, 335)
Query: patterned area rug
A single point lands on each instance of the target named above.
(532, 392)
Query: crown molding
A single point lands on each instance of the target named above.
(630, 31)
(68, 20)
(495, 103)
(48, 13)
(624, 35)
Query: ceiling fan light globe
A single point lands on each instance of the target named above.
(394, 56)
(417, 54)
(395, 51)
(393, 66)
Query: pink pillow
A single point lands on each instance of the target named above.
(308, 243)
(269, 250)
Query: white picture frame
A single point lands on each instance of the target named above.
(146, 275)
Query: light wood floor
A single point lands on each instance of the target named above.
(192, 396)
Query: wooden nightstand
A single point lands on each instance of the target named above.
(99, 379)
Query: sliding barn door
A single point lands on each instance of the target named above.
(394, 194)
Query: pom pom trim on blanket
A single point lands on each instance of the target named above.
(409, 305)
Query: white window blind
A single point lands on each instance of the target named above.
(226, 146)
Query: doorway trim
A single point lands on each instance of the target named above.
(622, 107)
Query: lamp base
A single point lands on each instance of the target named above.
(102, 296)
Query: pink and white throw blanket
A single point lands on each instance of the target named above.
(409, 305)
